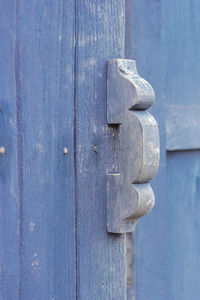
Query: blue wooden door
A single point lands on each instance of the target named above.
(37, 208)
(55, 150)
(164, 38)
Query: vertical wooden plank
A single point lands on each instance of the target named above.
(101, 256)
(182, 65)
(9, 203)
(170, 241)
(184, 225)
(45, 75)
(182, 51)
(144, 43)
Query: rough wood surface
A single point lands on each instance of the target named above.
(166, 45)
(101, 256)
(182, 64)
(9, 196)
(129, 194)
(37, 211)
(53, 227)
(144, 43)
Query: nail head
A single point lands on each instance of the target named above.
(96, 149)
(2, 150)
(65, 150)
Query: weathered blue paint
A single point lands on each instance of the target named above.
(182, 65)
(184, 225)
(59, 149)
(37, 202)
(101, 256)
(144, 44)
(129, 194)
(44, 74)
(164, 40)
(9, 200)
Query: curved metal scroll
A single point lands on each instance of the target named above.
(129, 194)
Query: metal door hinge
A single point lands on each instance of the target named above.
(129, 194)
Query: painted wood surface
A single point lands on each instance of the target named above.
(37, 206)
(129, 194)
(101, 256)
(184, 225)
(58, 150)
(164, 40)
(183, 168)
(9, 191)
(144, 43)
(182, 127)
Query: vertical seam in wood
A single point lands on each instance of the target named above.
(19, 144)
(75, 142)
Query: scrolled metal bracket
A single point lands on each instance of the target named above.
(129, 194)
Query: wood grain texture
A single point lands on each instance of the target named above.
(183, 246)
(129, 194)
(101, 256)
(182, 127)
(9, 199)
(144, 43)
(45, 116)
(182, 64)
(165, 42)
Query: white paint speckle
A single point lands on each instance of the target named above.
(39, 147)
(31, 226)
(35, 261)
(12, 122)
(91, 63)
